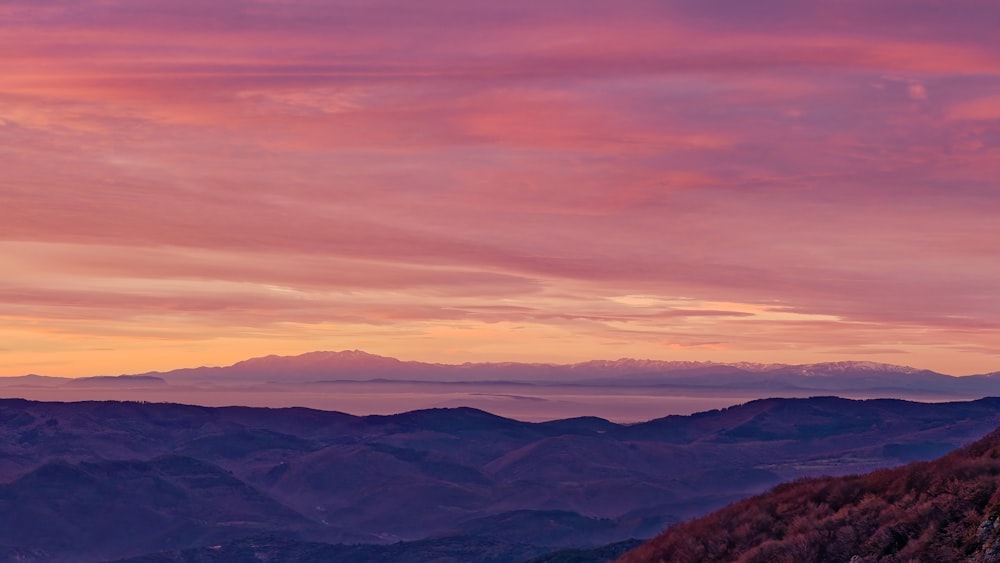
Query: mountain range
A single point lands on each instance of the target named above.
(356, 365)
(622, 390)
(359, 365)
(95, 481)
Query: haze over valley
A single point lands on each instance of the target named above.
(622, 390)
(579, 461)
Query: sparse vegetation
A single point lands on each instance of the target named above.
(945, 510)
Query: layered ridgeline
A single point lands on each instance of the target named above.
(355, 365)
(358, 366)
(944, 510)
(93, 481)
(621, 390)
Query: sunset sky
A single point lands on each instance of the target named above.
(197, 182)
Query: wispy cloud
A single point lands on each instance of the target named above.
(490, 181)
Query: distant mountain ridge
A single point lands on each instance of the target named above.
(358, 362)
(362, 383)
(356, 365)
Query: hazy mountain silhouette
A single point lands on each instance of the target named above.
(623, 390)
(117, 381)
(945, 510)
(355, 365)
(113, 479)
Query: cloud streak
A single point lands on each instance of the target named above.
(457, 181)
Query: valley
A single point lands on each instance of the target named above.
(76, 477)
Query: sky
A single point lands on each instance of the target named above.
(194, 183)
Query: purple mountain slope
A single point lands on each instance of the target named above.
(91, 481)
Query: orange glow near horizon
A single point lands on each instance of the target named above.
(185, 184)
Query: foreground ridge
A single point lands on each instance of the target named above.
(943, 510)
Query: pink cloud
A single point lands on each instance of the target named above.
(985, 108)
(402, 167)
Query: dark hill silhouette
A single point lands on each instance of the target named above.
(279, 549)
(198, 476)
(602, 554)
(541, 527)
(100, 509)
(117, 381)
(944, 510)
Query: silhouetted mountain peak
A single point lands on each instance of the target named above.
(448, 420)
(318, 360)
